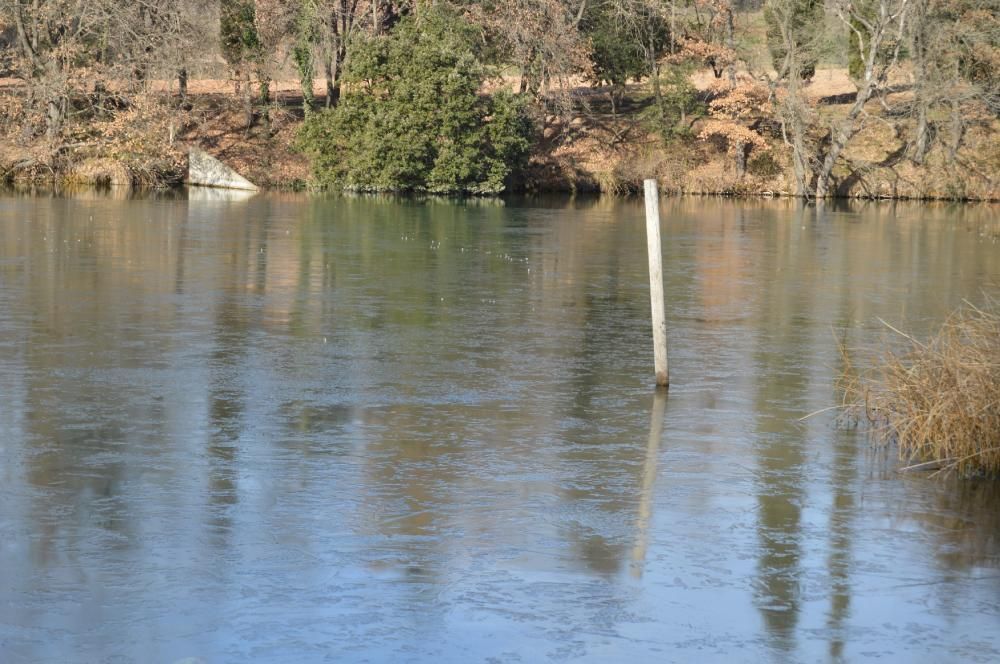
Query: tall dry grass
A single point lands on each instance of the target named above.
(938, 401)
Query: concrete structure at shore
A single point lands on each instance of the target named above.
(204, 170)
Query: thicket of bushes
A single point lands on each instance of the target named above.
(412, 117)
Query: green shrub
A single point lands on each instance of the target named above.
(412, 117)
(678, 107)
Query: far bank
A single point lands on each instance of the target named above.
(602, 144)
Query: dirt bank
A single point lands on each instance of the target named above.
(596, 148)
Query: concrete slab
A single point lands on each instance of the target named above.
(205, 170)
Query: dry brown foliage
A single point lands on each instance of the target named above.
(938, 401)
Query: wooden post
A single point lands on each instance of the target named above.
(656, 283)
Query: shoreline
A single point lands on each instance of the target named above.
(74, 185)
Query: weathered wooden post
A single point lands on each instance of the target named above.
(656, 283)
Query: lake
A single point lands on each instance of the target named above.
(293, 428)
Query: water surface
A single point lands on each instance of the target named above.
(304, 429)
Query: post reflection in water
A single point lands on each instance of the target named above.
(290, 428)
(648, 483)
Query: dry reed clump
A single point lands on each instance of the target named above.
(98, 171)
(938, 401)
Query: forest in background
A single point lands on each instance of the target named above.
(872, 98)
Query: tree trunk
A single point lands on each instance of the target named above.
(306, 86)
(332, 71)
(742, 152)
(921, 88)
(800, 165)
(54, 113)
(838, 140)
(673, 27)
(793, 130)
(842, 133)
(264, 99)
(922, 143)
(182, 83)
(247, 101)
(334, 39)
(654, 69)
(957, 129)
(731, 45)
(658, 96)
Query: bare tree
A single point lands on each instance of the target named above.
(66, 51)
(792, 30)
(954, 46)
(340, 21)
(925, 74)
(540, 37)
(878, 27)
(273, 21)
(52, 38)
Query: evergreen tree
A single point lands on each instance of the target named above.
(412, 117)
